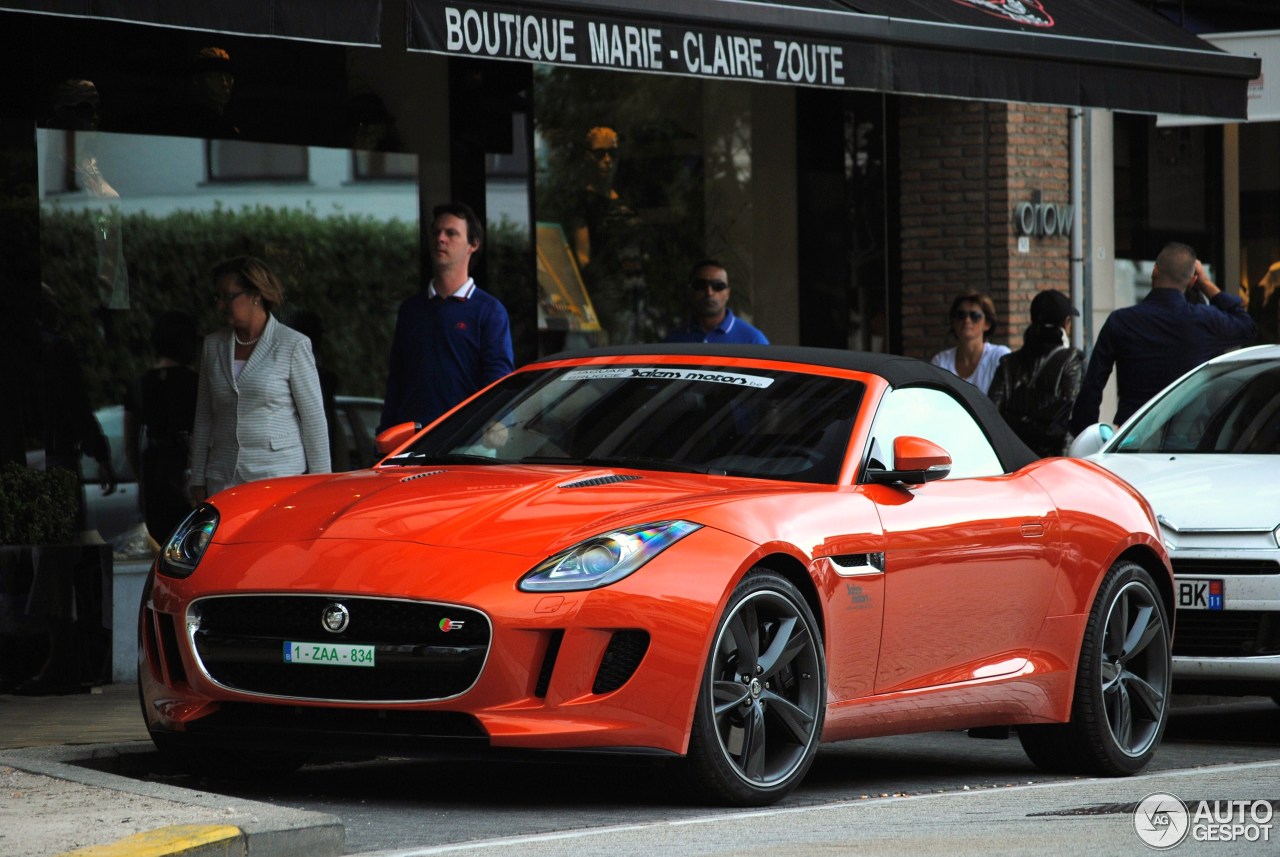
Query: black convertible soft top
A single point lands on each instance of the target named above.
(897, 370)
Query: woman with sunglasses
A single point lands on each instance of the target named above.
(259, 411)
(973, 320)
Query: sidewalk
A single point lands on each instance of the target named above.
(51, 804)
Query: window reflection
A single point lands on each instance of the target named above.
(146, 216)
(637, 177)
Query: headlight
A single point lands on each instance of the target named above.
(182, 552)
(606, 558)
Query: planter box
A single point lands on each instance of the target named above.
(55, 617)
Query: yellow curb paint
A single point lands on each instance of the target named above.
(169, 841)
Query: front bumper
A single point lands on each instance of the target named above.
(615, 668)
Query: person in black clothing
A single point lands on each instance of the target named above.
(310, 325)
(70, 427)
(161, 404)
(1036, 386)
(1170, 332)
(607, 239)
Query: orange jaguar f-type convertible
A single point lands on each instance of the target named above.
(724, 555)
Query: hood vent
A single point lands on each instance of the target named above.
(598, 480)
(422, 475)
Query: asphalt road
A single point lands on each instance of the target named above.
(408, 805)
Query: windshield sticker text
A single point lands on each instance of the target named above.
(668, 374)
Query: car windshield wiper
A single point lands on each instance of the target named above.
(417, 459)
(638, 462)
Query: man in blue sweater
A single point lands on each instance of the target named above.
(451, 339)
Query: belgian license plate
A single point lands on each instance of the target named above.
(1200, 594)
(332, 654)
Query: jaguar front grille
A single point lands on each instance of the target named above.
(421, 651)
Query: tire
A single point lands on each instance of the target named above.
(762, 700)
(1121, 702)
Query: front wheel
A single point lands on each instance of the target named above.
(762, 699)
(1121, 702)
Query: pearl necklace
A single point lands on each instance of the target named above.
(241, 342)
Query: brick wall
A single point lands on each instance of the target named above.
(965, 166)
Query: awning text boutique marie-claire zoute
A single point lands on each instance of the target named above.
(1091, 53)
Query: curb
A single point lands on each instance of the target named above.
(262, 829)
(178, 840)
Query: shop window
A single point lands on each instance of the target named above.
(1168, 187)
(1260, 224)
(242, 161)
(636, 178)
(513, 164)
(384, 166)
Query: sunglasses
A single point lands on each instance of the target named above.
(226, 297)
(972, 315)
(698, 284)
(600, 153)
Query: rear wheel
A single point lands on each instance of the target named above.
(762, 700)
(1121, 702)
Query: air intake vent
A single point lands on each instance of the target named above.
(548, 664)
(422, 475)
(598, 480)
(621, 658)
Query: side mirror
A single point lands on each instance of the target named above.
(1091, 440)
(915, 461)
(389, 440)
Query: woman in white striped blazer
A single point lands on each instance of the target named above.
(259, 412)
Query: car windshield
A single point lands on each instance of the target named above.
(1230, 407)
(752, 422)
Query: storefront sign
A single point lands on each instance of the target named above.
(1042, 218)
(494, 32)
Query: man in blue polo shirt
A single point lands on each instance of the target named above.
(451, 339)
(712, 320)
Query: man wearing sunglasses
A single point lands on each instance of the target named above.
(712, 320)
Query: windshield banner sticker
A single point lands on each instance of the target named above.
(665, 373)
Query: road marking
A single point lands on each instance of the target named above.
(731, 816)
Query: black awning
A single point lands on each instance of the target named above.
(1090, 53)
(348, 22)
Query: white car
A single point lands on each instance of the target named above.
(1205, 453)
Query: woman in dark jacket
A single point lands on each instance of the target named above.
(1035, 387)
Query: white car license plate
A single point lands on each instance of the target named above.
(1200, 594)
(333, 654)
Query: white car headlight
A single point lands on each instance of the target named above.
(187, 545)
(606, 558)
